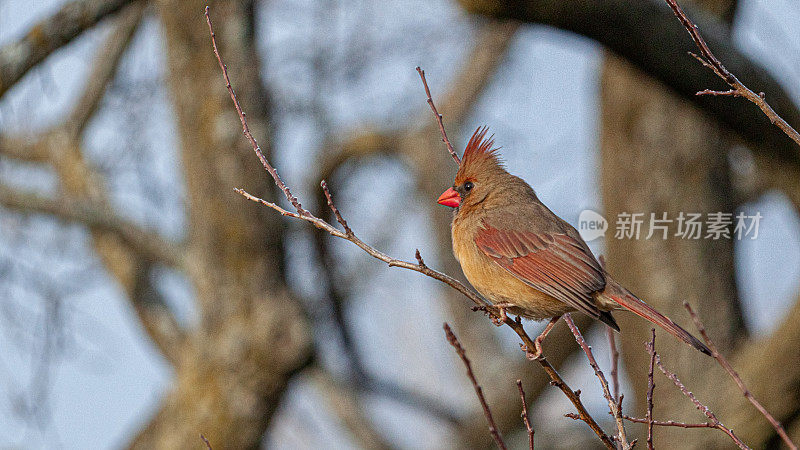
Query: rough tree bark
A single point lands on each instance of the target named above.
(253, 336)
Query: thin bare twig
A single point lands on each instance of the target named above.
(438, 118)
(614, 407)
(205, 441)
(453, 340)
(728, 93)
(419, 258)
(738, 88)
(525, 418)
(338, 215)
(651, 385)
(246, 130)
(612, 343)
(703, 408)
(420, 267)
(375, 253)
(742, 387)
(98, 216)
(658, 423)
(669, 423)
(574, 397)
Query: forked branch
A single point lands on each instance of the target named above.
(439, 119)
(703, 408)
(738, 89)
(525, 416)
(453, 341)
(614, 405)
(651, 386)
(736, 378)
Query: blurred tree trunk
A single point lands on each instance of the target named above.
(253, 336)
(659, 154)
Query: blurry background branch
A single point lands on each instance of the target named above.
(253, 333)
(50, 34)
(104, 67)
(342, 397)
(146, 244)
(23, 149)
(127, 251)
(490, 47)
(738, 89)
(647, 35)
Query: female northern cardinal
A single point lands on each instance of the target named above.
(525, 259)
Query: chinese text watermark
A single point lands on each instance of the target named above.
(714, 225)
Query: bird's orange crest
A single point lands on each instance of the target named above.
(479, 147)
(478, 155)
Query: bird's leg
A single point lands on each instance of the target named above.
(537, 353)
(501, 307)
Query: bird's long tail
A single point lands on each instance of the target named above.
(632, 303)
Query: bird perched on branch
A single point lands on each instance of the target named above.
(525, 259)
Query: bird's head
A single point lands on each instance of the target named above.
(479, 175)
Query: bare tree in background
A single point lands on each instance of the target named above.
(255, 333)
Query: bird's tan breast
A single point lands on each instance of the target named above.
(495, 283)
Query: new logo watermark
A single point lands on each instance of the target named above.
(714, 225)
(591, 225)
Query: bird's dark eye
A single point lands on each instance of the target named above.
(468, 186)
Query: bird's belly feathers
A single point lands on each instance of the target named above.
(498, 285)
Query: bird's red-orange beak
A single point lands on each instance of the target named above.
(449, 198)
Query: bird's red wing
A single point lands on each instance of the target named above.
(553, 263)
